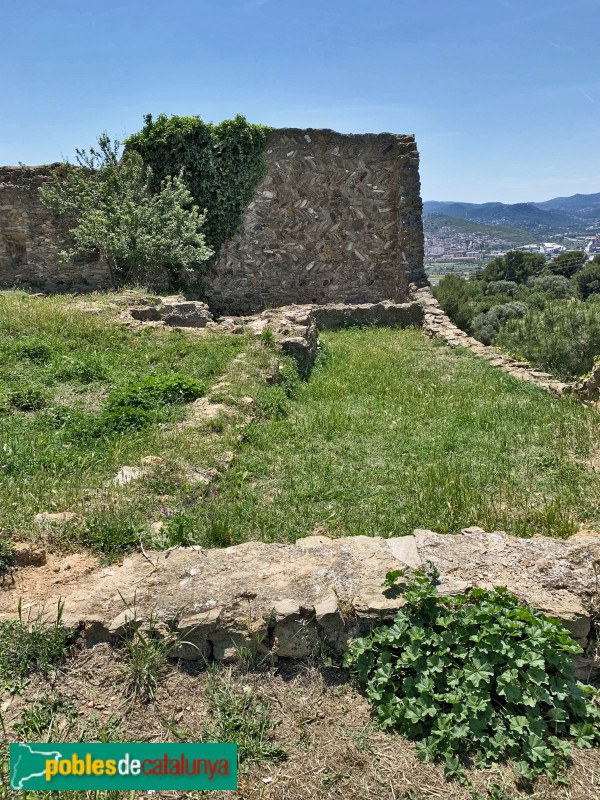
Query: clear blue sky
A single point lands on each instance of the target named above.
(503, 95)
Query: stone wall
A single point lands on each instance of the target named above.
(337, 218)
(31, 239)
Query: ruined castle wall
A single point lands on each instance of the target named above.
(337, 218)
(31, 239)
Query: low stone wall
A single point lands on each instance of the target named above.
(286, 599)
(436, 323)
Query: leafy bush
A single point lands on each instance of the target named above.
(588, 280)
(221, 164)
(85, 370)
(477, 677)
(486, 326)
(155, 390)
(33, 349)
(458, 299)
(554, 287)
(562, 338)
(502, 287)
(27, 398)
(142, 234)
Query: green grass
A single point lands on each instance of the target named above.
(64, 375)
(395, 432)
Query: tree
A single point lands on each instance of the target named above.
(514, 266)
(567, 263)
(588, 280)
(143, 236)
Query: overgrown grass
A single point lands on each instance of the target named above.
(396, 432)
(81, 397)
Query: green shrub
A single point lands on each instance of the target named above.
(155, 390)
(486, 326)
(477, 677)
(27, 398)
(84, 370)
(567, 264)
(553, 287)
(221, 164)
(562, 338)
(33, 349)
(588, 280)
(112, 535)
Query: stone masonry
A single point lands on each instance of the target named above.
(337, 218)
(31, 239)
(286, 599)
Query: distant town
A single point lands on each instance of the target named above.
(461, 237)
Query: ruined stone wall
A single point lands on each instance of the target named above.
(337, 218)
(31, 239)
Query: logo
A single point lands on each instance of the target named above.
(123, 766)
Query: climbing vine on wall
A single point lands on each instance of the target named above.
(222, 164)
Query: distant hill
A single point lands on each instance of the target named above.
(433, 223)
(551, 216)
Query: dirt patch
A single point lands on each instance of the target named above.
(44, 584)
(324, 726)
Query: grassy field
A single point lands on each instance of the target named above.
(73, 412)
(395, 431)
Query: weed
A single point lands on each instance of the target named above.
(112, 535)
(32, 645)
(97, 730)
(267, 337)
(241, 718)
(155, 390)
(27, 398)
(477, 677)
(40, 719)
(7, 557)
(147, 650)
(33, 349)
(83, 370)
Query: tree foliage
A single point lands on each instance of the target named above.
(479, 677)
(537, 316)
(220, 164)
(144, 236)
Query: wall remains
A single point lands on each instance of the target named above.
(337, 218)
(31, 239)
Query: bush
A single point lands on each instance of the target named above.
(27, 398)
(562, 338)
(554, 287)
(33, 349)
(588, 280)
(515, 265)
(220, 164)
(85, 370)
(457, 297)
(502, 287)
(155, 390)
(486, 326)
(477, 677)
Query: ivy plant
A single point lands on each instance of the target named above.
(477, 679)
(220, 164)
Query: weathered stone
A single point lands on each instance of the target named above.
(174, 311)
(58, 517)
(286, 599)
(336, 218)
(28, 555)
